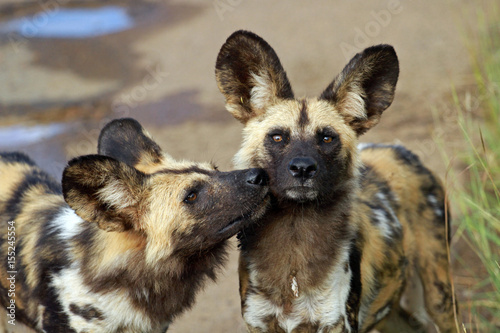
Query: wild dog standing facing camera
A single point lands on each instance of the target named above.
(130, 239)
(348, 229)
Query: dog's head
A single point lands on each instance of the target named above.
(181, 208)
(308, 146)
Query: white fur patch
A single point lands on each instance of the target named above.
(117, 195)
(382, 313)
(67, 223)
(295, 287)
(383, 223)
(355, 105)
(364, 145)
(387, 226)
(262, 92)
(431, 198)
(297, 195)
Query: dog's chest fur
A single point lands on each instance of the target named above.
(297, 276)
(324, 305)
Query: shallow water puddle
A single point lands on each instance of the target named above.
(71, 23)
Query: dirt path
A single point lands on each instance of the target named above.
(162, 73)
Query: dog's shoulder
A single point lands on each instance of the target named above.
(392, 166)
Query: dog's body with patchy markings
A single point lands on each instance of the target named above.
(126, 243)
(349, 228)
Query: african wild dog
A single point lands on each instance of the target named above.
(127, 242)
(347, 229)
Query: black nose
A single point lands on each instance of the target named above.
(257, 177)
(303, 167)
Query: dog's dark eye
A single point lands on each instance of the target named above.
(191, 197)
(327, 139)
(327, 136)
(277, 138)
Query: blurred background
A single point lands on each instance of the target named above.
(67, 67)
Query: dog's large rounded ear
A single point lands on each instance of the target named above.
(103, 190)
(365, 87)
(250, 75)
(127, 141)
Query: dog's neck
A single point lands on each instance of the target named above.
(118, 260)
(292, 247)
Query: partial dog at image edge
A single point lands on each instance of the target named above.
(356, 234)
(127, 241)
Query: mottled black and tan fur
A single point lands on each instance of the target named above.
(350, 227)
(126, 242)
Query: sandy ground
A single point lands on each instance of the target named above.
(56, 94)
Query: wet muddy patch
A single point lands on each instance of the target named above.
(64, 66)
(71, 23)
(55, 57)
(14, 136)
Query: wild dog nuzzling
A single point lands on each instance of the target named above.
(349, 227)
(127, 241)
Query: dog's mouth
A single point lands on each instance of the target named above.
(245, 219)
(301, 193)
